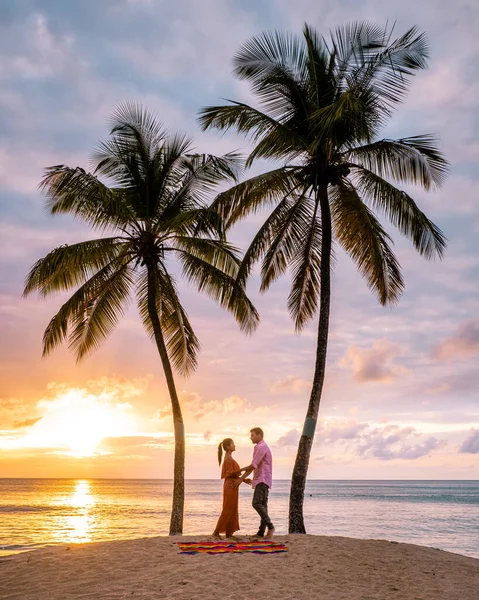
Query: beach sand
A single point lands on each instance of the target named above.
(329, 568)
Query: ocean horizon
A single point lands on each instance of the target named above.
(41, 512)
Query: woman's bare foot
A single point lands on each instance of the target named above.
(232, 537)
(216, 536)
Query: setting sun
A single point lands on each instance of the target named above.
(75, 422)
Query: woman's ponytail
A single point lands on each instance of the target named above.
(220, 452)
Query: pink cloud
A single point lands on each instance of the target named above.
(195, 406)
(463, 344)
(290, 385)
(376, 363)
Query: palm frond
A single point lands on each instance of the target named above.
(321, 86)
(99, 317)
(364, 239)
(198, 222)
(270, 53)
(306, 271)
(202, 173)
(390, 70)
(218, 253)
(180, 339)
(365, 53)
(401, 210)
(414, 160)
(287, 235)
(255, 193)
(77, 306)
(81, 194)
(68, 266)
(350, 117)
(251, 122)
(168, 165)
(280, 217)
(222, 288)
(138, 128)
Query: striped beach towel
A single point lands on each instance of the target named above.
(257, 547)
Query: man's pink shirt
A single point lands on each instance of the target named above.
(263, 464)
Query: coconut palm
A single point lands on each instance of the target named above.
(321, 107)
(153, 205)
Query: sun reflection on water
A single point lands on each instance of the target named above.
(78, 526)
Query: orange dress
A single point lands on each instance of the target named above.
(229, 518)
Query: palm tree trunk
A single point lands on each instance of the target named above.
(176, 521)
(300, 471)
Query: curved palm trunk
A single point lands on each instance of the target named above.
(176, 521)
(300, 471)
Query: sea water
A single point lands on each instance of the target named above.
(35, 513)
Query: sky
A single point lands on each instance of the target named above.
(400, 398)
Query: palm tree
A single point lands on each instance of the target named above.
(155, 209)
(321, 106)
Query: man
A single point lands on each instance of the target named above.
(262, 465)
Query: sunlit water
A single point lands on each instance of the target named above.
(35, 513)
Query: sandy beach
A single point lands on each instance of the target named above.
(334, 568)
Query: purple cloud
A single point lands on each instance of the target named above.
(471, 443)
(392, 442)
(289, 439)
(383, 442)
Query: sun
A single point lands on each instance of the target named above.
(75, 422)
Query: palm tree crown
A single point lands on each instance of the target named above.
(321, 107)
(156, 206)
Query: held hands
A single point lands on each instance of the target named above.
(237, 482)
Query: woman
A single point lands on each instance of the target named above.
(228, 522)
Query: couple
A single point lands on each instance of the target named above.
(262, 465)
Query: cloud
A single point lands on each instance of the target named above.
(290, 385)
(394, 442)
(207, 435)
(135, 443)
(463, 344)
(471, 443)
(43, 53)
(291, 438)
(376, 441)
(331, 431)
(374, 364)
(27, 423)
(195, 406)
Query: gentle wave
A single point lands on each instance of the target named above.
(31, 509)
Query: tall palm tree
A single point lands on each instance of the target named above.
(321, 106)
(153, 203)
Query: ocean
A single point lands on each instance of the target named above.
(35, 513)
